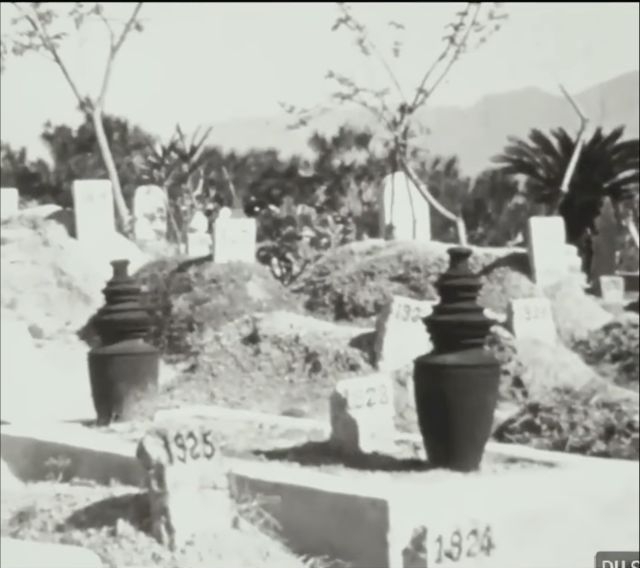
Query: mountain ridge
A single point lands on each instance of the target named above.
(474, 133)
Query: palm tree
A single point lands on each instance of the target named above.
(607, 167)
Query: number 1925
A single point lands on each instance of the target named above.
(192, 446)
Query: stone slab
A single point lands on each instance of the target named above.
(234, 240)
(9, 202)
(16, 553)
(574, 511)
(546, 247)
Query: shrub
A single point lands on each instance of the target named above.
(614, 351)
(356, 280)
(574, 421)
(194, 296)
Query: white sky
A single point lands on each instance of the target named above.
(210, 62)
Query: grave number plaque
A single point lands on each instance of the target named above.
(461, 546)
(188, 446)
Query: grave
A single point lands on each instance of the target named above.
(186, 481)
(612, 289)
(603, 262)
(546, 247)
(234, 240)
(30, 554)
(9, 202)
(94, 211)
(150, 213)
(532, 318)
(198, 236)
(405, 213)
(400, 333)
(362, 415)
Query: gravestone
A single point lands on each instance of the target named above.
(198, 236)
(9, 202)
(94, 210)
(532, 318)
(612, 289)
(150, 213)
(362, 415)
(405, 213)
(449, 543)
(546, 247)
(234, 240)
(187, 482)
(603, 262)
(19, 553)
(400, 333)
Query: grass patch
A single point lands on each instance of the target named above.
(114, 523)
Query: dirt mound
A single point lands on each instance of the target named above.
(278, 362)
(47, 278)
(356, 280)
(190, 298)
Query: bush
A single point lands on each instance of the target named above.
(196, 296)
(579, 422)
(356, 280)
(614, 351)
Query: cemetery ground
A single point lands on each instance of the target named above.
(113, 522)
(234, 337)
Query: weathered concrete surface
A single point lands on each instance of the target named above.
(16, 553)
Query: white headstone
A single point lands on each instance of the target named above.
(187, 482)
(234, 240)
(612, 288)
(447, 542)
(400, 333)
(362, 414)
(404, 209)
(224, 213)
(199, 238)
(532, 318)
(9, 202)
(547, 253)
(94, 210)
(30, 553)
(149, 207)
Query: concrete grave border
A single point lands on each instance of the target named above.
(366, 522)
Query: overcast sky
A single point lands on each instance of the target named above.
(209, 62)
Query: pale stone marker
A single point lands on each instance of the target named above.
(612, 288)
(187, 482)
(546, 247)
(362, 414)
(449, 543)
(94, 210)
(198, 237)
(532, 318)
(234, 240)
(405, 213)
(150, 210)
(9, 202)
(18, 553)
(605, 239)
(400, 333)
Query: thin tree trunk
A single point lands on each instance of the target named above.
(121, 207)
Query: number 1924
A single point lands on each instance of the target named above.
(459, 545)
(192, 446)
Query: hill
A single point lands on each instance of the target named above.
(475, 133)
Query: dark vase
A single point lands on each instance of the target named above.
(456, 385)
(124, 369)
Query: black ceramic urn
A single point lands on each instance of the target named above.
(456, 385)
(124, 369)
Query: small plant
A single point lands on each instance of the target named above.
(57, 468)
(575, 422)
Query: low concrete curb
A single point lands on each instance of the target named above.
(374, 522)
(16, 553)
